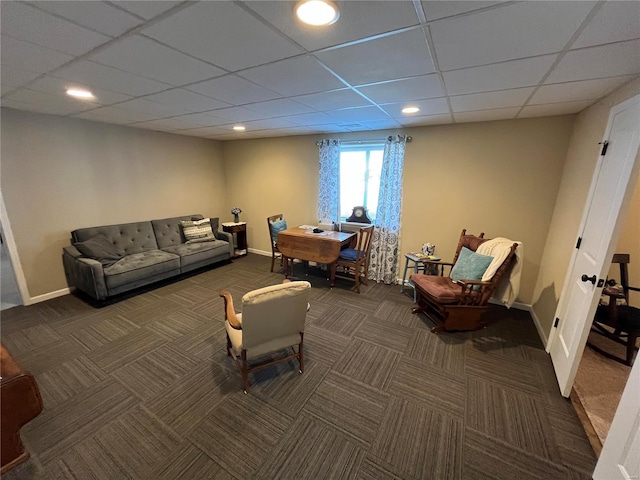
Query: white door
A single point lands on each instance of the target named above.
(590, 263)
(620, 457)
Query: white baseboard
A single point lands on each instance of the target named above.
(48, 296)
(259, 252)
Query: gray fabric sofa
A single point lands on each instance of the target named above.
(153, 250)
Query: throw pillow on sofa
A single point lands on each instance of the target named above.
(100, 248)
(197, 230)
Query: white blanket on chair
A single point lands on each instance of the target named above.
(509, 287)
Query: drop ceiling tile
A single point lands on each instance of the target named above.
(101, 76)
(115, 114)
(416, 88)
(168, 124)
(145, 8)
(342, 98)
(57, 86)
(98, 16)
(425, 120)
(268, 123)
(614, 22)
(30, 56)
(24, 22)
(13, 78)
(156, 110)
(401, 55)
(293, 76)
(233, 90)
(145, 57)
(491, 100)
(202, 131)
(200, 119)
(280, 107)
(383, 124)
(63, 104)
(433, 106)
(193, 102)
(486, 115)
(49, 109)
(574, 91)
(507, 33)
(238, 114)
(441, 9)
(555, 109)
(205, 31)
(358, 114)
(598, 62)
(357, 20)
(307, 119)
(501, 76)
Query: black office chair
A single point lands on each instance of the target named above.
(619, 323)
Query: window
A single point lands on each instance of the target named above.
(360, 167)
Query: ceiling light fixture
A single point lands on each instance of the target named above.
(239, 128)
(79, 93)
(410, 110)
(317, 12)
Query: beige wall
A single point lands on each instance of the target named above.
(60, 174)
(498, 177)
(576, 180)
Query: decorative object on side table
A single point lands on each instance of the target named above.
(236, 211)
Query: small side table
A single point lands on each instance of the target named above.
(239, 230)
(418, 266)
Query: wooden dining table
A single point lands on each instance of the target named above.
(323, 247)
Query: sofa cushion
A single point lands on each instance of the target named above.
(100, 248)
(168, 231)
(130, 237)
(137, 266)
(196, 231)
(191, 253)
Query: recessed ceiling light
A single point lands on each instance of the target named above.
(79, 93)
(410, 110)
(317, 12)
(239, 128)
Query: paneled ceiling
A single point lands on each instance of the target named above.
(199, 68)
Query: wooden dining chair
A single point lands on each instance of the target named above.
(276, 224)
(353, 263)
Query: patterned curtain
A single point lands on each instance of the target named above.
(329, 181)
(383, 262)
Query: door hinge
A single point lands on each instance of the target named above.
(605, 145)
(555, 324)
(578, 242)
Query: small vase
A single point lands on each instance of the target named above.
(236, 218)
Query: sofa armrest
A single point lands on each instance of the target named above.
(84, 273)
(226, 237)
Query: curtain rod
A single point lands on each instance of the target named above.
(373, 140)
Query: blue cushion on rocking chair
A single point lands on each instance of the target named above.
(349, 254)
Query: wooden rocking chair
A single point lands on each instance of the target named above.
(459, 304)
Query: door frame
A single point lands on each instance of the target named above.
(562, 303)
(14, 257)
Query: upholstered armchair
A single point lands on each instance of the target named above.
(459, 300)
(272, 320)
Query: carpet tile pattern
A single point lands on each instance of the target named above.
(142, 389)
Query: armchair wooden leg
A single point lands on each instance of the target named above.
(228, 346)
(245, 371)
(301, 353)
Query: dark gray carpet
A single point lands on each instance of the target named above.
(143, 389)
